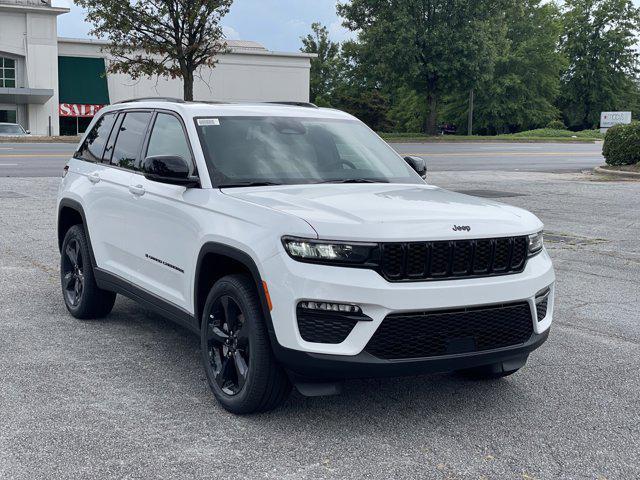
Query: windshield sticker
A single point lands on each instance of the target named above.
(208, 122)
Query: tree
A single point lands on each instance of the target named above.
(431, 46)
(521, 93)
(171, 38)
(324, 66)
(600, 38)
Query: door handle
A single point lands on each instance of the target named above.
(94, 178)
(137, 190)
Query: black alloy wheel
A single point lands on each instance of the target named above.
(72, 271)
(228, 345)
(236, 352)
(82, 296)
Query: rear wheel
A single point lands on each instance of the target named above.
(236, 353)
(81, 294)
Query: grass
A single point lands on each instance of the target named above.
(539, 135)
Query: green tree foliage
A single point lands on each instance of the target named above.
(600, 41)
(171, 38)
(324, 68)
(430, 46)
(521, 92)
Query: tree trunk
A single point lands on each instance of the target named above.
(432, 117)
(188, 86)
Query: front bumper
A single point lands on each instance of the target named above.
(321, 367)
(291, 282)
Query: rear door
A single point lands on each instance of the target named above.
(167, 219)
(109, 209)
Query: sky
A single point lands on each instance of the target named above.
(277, 24)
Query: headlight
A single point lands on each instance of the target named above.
(315, 251)
(536, 243)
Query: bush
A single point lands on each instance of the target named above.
(556, 125)
(622, 145)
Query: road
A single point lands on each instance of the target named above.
(47, 160)
(126, 397)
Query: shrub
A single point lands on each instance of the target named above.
(556, 125)
(622, 145)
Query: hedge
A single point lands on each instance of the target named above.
(622, 144)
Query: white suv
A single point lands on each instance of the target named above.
(299, 246)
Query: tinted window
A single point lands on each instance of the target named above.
(130, 137)
(168, 138)
(93, 147)
(283, 150)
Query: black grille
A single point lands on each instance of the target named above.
(324, 327)
(541, 309)
(453, 259)
(430, 334)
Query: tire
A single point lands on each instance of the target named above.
(81, 295)
(487, 372)
(236, 352)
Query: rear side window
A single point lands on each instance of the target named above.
(168, 138)
(92, 149)
(130, 137)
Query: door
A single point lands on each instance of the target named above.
(167, 228)
(108, 205)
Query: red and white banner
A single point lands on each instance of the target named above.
(78, 110)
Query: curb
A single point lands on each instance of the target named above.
(617, 173)
(35, 139)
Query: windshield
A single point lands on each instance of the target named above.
(244, 151)
(11, 130)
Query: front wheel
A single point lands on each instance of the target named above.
(236, 353)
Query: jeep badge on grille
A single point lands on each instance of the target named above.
(461, 228)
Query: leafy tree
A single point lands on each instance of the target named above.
(600, 38)
(521, 93)
(431, 46)
(324, 68)
(171, 38)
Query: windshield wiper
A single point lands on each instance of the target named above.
(248, 184)
(355, 180)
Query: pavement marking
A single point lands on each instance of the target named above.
(8, 164)
(507, 154)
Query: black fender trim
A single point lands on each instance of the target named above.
(246, 260)
(114, 283)
(74, 205)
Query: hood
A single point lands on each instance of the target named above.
(387, 212)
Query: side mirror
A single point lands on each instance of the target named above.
(418, 164)
(28, 132)
(169, 169)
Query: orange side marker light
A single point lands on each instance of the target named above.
(266, 293)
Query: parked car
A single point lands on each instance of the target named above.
(299, 246)
(12, 130)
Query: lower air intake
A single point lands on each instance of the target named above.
(449, 332)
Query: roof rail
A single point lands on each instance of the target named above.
(295, 104)
(152, 99)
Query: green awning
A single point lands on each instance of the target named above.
(83, 80)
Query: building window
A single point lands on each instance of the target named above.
(7, 72)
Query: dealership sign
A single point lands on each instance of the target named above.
(609, 119)
(78, 110)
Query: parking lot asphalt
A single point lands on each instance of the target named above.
(126, 397)
(47, 160)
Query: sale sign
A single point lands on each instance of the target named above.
(78, 110)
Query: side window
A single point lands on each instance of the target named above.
(168, 138)
(130, 137)
(92, 149)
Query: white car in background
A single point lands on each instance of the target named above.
(299, 246)
(12, 130)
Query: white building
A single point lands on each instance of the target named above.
(50, 84)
